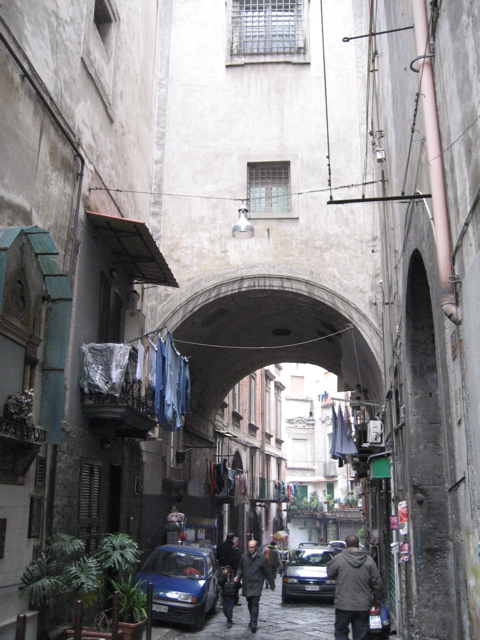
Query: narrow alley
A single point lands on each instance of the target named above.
(300, 620)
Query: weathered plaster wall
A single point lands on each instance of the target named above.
(220, 117)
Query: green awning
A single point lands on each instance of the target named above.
(380, 466)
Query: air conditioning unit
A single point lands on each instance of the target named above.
(375, 432)
(134, 324)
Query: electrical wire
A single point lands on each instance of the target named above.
(329, 167)
(280, 346)
(180, 195)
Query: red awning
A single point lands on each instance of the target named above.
(133, 247)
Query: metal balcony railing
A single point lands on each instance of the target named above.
(131, 394)
(19, 431)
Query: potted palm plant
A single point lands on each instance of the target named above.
(61, 575)
(132, 607)
(64, 574)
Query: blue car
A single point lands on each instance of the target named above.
(184, 584)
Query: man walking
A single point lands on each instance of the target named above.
(253, 570)
(359, 587)
(226, 554)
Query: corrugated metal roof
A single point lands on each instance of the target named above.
(134, 247)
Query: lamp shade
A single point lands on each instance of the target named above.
(243, 228)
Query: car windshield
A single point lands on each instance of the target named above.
(318, 559)
(175, 564)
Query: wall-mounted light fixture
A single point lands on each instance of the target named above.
(243, 228)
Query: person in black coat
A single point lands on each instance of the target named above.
(226, 554)
(253, 570)
(228, 587)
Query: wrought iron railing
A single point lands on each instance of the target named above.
(17, 430)
(133, 393)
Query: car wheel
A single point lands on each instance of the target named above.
(200, 621)
(285, 598)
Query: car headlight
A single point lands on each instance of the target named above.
(291, 580)
(186, 597)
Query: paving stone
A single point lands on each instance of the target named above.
(299, 620)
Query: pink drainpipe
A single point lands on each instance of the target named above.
(434, 153)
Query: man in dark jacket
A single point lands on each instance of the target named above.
(253, 571)
(359, 587)
(226, 554)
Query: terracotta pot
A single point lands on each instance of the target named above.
(132, 631)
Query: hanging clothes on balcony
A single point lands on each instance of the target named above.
(342, 441)
(172, 385)
(104, 367)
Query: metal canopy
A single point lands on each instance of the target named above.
(134, 247)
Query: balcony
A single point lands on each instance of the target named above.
(130, 414)
(265, 490)
(19, 446)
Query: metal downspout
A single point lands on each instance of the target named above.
(435, 166)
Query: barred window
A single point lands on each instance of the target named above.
(267, 26)
(268, 187)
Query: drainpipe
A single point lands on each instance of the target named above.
(434, 153)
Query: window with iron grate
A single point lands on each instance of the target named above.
(268, 187)
(267, 27)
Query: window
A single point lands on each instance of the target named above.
(99, 50)
(111, 312)
(89, 517)
(252, 399)
(300, 453)
(278, 411)
(219, 456)
(268, 187)
(103, 20)
(236, 398)
(267, 27)
(267, 404)
(297, 386)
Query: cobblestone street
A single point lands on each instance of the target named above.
(300, 620)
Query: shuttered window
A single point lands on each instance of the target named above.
(110, 312)
(89, 516)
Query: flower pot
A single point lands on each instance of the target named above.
(132, 631)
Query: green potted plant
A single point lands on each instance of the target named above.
(132, 607)
(64, 573)
(61, 575)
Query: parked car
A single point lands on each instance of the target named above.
(338, 545)
(306, 574)
(184, 584)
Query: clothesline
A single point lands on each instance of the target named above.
(223, 346)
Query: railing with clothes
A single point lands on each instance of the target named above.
(133, 393)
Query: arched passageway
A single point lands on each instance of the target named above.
(242, 324)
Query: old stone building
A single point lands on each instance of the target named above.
(77, 110)
(348, 131)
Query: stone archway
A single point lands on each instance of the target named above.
(431, 582)
(234, 323)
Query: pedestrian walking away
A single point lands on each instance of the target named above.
(253, 571)
(273, 559)
(228, 587)
(359, 587)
